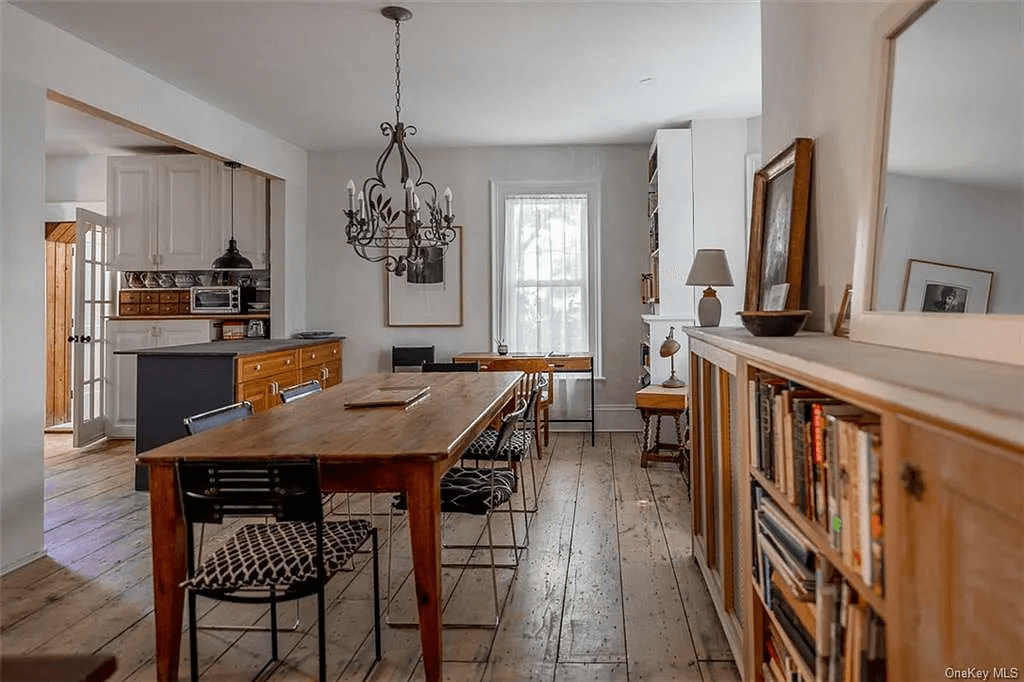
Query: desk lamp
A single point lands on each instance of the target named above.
(710, 269)
(669, 348)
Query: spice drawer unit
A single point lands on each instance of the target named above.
(265, 365)
(133, 302)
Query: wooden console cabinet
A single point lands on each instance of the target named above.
(946, 514)
(260, 378)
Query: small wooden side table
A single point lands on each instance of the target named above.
(657, 401)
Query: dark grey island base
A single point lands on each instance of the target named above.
(175, 382)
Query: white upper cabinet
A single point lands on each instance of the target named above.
(160, 213)
(132, 212)
(184, 238)
(250, 214)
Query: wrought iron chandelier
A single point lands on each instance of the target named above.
(376, 230)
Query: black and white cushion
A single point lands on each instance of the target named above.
(469, 490)
(482, 446)
(278, 554)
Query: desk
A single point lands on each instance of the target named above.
(369, 449)
(575, 362)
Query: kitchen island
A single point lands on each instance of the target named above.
(175, 382)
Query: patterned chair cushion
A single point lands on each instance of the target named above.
(483, 445)
(468, 490)
(278, 554)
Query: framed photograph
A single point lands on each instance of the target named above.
(931, 287)
(777, 297)
(842, 327)
(778, 226)
(430, 292)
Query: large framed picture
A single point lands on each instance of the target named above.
(429, 294)
(778, 226)
(931, 287)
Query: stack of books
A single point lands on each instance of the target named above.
(824, 456)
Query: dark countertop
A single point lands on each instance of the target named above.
(230, 348)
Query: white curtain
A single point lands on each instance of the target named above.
(545, 295)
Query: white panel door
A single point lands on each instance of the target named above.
(181, 332)
(121, 374)
(131, 205)
(183, 219)
(93, 303)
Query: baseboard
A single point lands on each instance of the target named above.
(609, 418)
(25, 561)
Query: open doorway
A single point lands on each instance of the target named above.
(60, 240)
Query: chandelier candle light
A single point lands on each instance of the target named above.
(376, 231)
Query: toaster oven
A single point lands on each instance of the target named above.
(216, 299)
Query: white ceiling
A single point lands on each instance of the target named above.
(498, 72)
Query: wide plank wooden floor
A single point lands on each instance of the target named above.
(607, 591)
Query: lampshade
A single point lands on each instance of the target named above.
(669, 347)
(710, 268)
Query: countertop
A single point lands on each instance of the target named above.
(229, 348)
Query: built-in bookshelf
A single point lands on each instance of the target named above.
(817, 533)
(858, 510)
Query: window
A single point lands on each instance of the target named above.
(545, 258)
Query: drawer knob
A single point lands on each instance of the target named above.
(258, 366)
(288, 361)
(313, 355)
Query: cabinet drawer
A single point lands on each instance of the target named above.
(130, 296)
(328, 374)
(149, 309)
(169, 308)
(126, 309)
(258, 366)
(571, 364)
(149, 297)
(168, 296)
(265, 392)
(319, 354)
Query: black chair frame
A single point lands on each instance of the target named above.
(450, 367)
(288, 491)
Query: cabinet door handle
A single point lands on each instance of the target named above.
(273, 388)
(910, 477)
(324, 373)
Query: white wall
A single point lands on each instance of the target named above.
(346, 294)
(719, 204)
(952, 223)
(815, 64)
(34, 57)
(76, 178)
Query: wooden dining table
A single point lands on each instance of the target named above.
(360, 449)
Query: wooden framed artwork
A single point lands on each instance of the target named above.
(931, 287)
(842, 327)
(778, 226)
(429, 294)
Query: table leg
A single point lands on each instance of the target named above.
(425, 530)
(647, 435)
(169, 563)
(593, 415)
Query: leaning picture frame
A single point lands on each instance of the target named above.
(778, 226)
(931, 287)
(429, 293)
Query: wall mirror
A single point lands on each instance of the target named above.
(940, 242)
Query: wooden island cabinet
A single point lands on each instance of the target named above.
(858, 510)
(175, 382)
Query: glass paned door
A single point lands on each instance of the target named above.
(93, 302)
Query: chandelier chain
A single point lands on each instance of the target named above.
(398, 68)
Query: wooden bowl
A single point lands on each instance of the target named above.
(774, 322)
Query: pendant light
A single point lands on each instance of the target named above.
(231, 259)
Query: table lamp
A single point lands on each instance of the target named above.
(710, 269)
(669, 348)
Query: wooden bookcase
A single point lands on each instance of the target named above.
(949, 442)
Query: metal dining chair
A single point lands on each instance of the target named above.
(300, 391)
(267, 563)
(479, 492)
